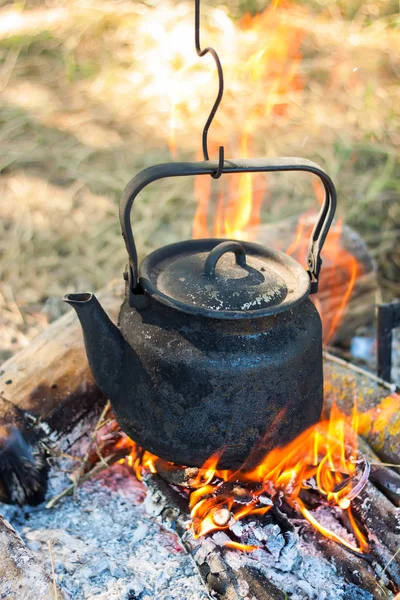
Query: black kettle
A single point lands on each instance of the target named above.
(218, 346)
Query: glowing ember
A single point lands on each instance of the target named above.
(321, 463)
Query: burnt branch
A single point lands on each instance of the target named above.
(23, 466)
(221, 581)
(381, 520)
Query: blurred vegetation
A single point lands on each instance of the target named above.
(87, 89)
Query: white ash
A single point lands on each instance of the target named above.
(289, 561)
(329, 517)
(106, 546)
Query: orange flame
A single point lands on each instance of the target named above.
(340, 281)
(242, 547)
(323, 460)
(139, 460)
(325, 454)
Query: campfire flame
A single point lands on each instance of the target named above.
(342, 278)
(321, 467)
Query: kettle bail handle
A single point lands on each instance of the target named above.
(183, 169)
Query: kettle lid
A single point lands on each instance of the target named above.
(224, 278)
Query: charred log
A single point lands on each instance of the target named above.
(219, 578)
(23, 465)
(224, 583)
(175, 474)
(381, 520)
(384, 478)
(354, 569)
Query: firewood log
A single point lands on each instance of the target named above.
(381, 520)
(353, 568)
(22, 577)
(384, 478)
(344, 382)
(50, 377)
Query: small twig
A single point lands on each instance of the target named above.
(91, 440)
(66, 455)
(54, 455)
(391, 560)
(52, 570)
(98, 452)
(383, 464)
(98, 468)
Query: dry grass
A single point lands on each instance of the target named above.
(87, 88)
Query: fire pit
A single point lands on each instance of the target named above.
(215, 369)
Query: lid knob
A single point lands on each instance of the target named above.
(216, 253)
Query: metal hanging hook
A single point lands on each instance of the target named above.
(218, 99)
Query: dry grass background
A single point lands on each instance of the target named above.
(87, 88)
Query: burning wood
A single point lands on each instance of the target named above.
(227, 576)
(322, 461)
(254, 533)
(214, 504)
(381, 520)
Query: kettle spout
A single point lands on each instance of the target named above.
(103, 341)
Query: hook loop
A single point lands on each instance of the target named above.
(220, 93)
